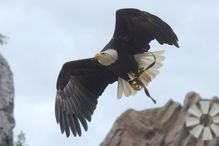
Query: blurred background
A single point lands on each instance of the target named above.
(45, 34)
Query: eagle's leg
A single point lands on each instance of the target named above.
(131, 81)
(136, 82)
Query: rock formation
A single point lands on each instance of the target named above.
(164, 126)
(6, 104)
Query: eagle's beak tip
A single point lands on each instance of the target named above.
(98, 56)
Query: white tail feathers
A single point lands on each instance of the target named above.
(124, 88)
(144, 60)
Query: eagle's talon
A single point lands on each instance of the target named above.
(135, 85)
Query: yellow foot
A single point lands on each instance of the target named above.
(135, 85)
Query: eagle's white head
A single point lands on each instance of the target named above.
(107, 57)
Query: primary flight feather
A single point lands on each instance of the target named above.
(125, 59)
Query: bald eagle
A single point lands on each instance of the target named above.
(125, 59)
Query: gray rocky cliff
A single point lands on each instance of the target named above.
(165, 126)
(7, 122)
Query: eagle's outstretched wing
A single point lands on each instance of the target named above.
(79, 85)
(138, 28)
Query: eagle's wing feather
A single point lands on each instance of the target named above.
(138, 28)
(79, 85)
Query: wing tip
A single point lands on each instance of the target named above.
(176, 44)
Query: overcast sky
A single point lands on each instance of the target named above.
(46, 33)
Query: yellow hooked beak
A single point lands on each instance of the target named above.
(98, 56)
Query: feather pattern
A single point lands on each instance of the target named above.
(77, 94)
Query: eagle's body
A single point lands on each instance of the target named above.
(124, 59)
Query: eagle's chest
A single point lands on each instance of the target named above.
(124, 64)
